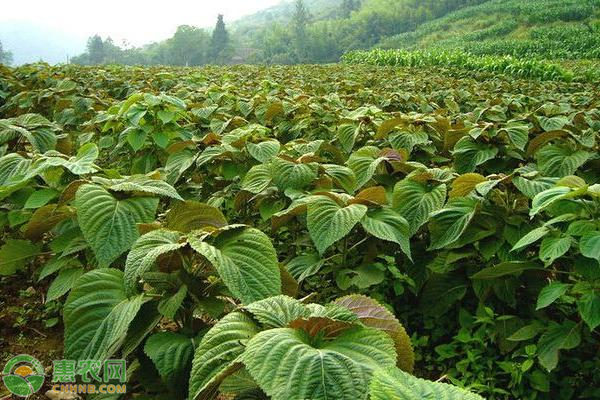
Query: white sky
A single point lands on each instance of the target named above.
(138, 21)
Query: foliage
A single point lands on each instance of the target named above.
(174, 207)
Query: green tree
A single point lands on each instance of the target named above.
(300, 21)
(6, 56)
(95, 50)
(188, 46)
(348, 6)
(220, 41)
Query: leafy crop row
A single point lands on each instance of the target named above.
(457, 59)
(248, 230)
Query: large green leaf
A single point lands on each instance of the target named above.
(557, 337)
(554, 247)
(140, 183)
(80, 164)
(257, 179)
(263, 151)
(589, 245)
(388, 224)
(246, 261)
(219, 351)
(191, 215)
(546, 198)
(146, 250)
(172, 355)
(374, 315)
(328, 222)
(364, 163)
(290, 175)
(589, 309)
(15, 254)
(415, 201)
(278, 311)
(550, 294)
(447, 225)
(398, 385)
(286, 365)
(97, 315)
(469, 154)
(560, 160)
(109, 224)
(36, 129)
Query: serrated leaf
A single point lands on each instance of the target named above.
(589, 309)
(63, 282)
(448, 224)
(531, 188)
(328, 222)
(550, 294)
(246, 261)
(338, 369)
(257, 179)
(465, 184)
(342, 176)
(277, 311)
(146, 251)
(374, 315)
(589, 245)
(518, 133)
(40, 198)
(364, 163)
(504, 269)
(219, 351)
(531, 237)
(97, 315)
(388, 224)
(192, 215)
(554, 247)
(15, 254)
(469, 154)
(415, 201)
(263, 151)
(398, 385)
(560, 160)
(546, 198)
(557, 337)
(142, 184)
(108, 224)
(172, 355)
(289, 175)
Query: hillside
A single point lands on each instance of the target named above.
(539, 28)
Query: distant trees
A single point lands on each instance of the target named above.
(6, 56)
(348, 6)
(189, 46)
(219, 49)
(95, 50)
(300, 20)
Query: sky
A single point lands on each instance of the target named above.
(138, 21)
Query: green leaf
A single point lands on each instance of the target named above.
(518, 133)
(469, 154)
(504, 269)
(264, 151)
(36, 129)
(83, 162)
(398, 385)
(387, 224)
(15, 254)
(554, 247)
(415, 201)
(441, 292)
(146, 251)
(546, 198)
(533, 187)
(40, 198)
(560, 160)
(346, 135)
(328, 222)
(589, 309)
(550, 294)
(139, 183)
(289, 175)
(304, 266)
(246, 261)
(97, 315)
(172, 355)
(374, 315)
(557, 337)
(589, 245)
(343, 176)
(108, 224)
(448, 224)
(531, 237)
(364, 163)
(219, 352)
(13, 169)
(257, 179)
(136, 138)
(286, 366)
(527, 332)
(278, 311)
(192, 215)
(63, 283)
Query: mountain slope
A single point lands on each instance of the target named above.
(539, 28)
